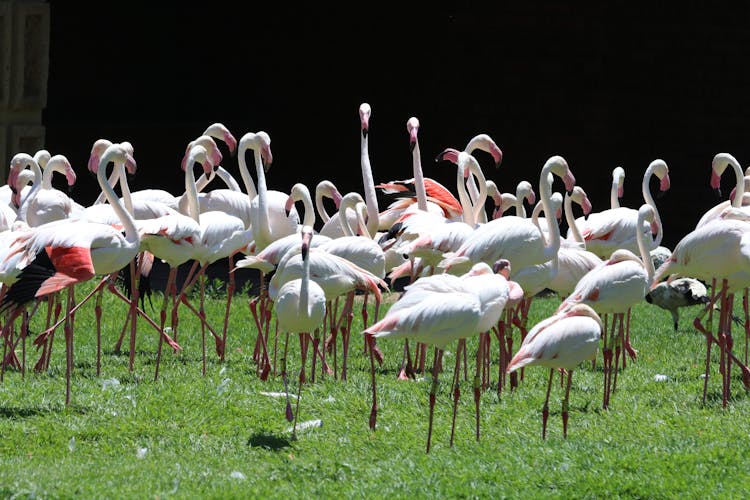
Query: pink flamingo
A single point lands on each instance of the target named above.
(719, 251)
(438, 310)
(614, 286)
(560, 342)
(614, 228)
(55, 259)
(300, 307)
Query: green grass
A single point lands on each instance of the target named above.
(217, 436)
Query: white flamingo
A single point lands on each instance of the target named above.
(614, 228)
(300, 307)
(613, 287)
(445, 310)
(560, 342)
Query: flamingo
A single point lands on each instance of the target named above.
(326, 189)
(719, 164)
(55, 259)
(300, 307)
(574, 261)
(364, 252)
(484, 143)
(618, 187)
(336, 275)
(42, 203)
(560, 342)
(222, 235)
(442, 310)
(612, 229)
(614, 286)
(719, 251)
(511, 237)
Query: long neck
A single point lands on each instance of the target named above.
(545, 193)
(309, 218)
(222, 173)
(125, 189)
(480, 214)
(24, 208)
(371, 199)
(112, 181)
(645, 254)
(47, 176)
(739, 188)
(571, 221)
(347, 204)
(245, 174)
(645, 189)
(614, 200)
(191, 191)
(320, 206)
(416, 159)
(466, 206)
(304, 289)
(131, 234)
(264, 231)
(471, 183)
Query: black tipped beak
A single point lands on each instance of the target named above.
(364, 133)
(660, 195)
(717, 192)
(412, 145)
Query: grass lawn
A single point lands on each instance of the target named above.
(225, 435)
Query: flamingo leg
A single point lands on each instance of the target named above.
(545, 408)
(456, 385)
(433, 391)
(374, 409)
(565, 405)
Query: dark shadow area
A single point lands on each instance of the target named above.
(269, 441)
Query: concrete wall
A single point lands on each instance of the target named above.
(24, 63)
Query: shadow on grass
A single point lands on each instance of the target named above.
(269, 441)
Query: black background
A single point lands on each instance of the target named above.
(612, 84)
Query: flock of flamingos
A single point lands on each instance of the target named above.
(471, 271)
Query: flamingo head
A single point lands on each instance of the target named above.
(97, 150)
(70, 174)
(116, 153)
(42, 157)
(221, 132)
(412, 126)
(579, 196)
(485, 143)
(449, 154)
(364, 118)
(199, 154)
(720, 163)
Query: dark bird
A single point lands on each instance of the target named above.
(681, 292)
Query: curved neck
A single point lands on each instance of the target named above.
(24, 208)
(320, 206)
(466, 207)
(222, 173)
(645, 254)
(648, 198)
(571, 221)
(47, 176)
(739, 188)
(264, 231)
(191, 191)
(303, 195)
(371, 199)
(614, 199)
(247, 180)
(545, 193)
(416, 159)
(131, 234)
